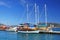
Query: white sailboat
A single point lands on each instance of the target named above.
(33, 31)
(49, 28)
(14, 29)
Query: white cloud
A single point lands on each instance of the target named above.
(23, 2)
(4, 4)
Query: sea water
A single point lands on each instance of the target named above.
(4, 35)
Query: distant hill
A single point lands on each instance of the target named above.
(55, 24)
(48, 24)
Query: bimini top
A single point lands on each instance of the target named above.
(42, 25)
(31, 26)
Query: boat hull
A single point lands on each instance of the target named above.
(28, 31)
(50, 32)
(11, 30)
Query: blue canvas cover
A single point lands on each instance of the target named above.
(56, 29)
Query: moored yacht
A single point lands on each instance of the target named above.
(29, 28)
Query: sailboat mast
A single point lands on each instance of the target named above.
(38, 13)
(27, 13)
(45, 15)
(35, 14)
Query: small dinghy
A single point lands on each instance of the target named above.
(12, 29)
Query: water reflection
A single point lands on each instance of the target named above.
(19, 36)
(37, 36)
(22, 36)
(31, 36)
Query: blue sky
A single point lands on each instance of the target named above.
(13, 12)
